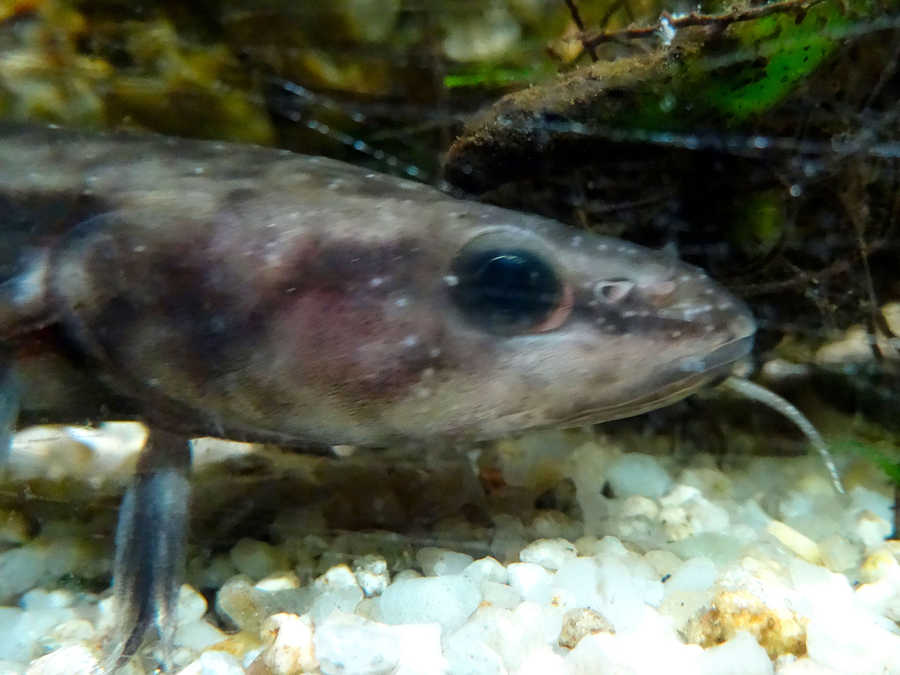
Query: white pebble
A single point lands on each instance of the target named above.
(339, 576)
(69, 632)
(468, 656)
(791, 665)
(510, 634)
(346, 643)
(191, 605)
(864, 499)
(531, 581)
(663, 562)
(635, 473)
(548, 553)
(871, 529)
(499, 595)
(198, 635)
(637, 506)
(486, 569)
(242, 604)
(371, 574)
(213, 663)
(741, 655)
(216, 572)
(20, 569)
(15, 644)
(552, 524)
(447, 600)
(72, 660)
(338, 600)
(38, 598)
(405, 575)
(439, 561)
(10, 668)
(633, 653)
(695, 574)
(852, 644)
(542, 660)
(257, 559)
(797, 542)
(609, 547)
(289, 644)
(839, 554)
(280, 581)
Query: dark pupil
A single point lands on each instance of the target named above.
(505, 291)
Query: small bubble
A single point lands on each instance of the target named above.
(796, 190)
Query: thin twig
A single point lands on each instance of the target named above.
(576, 17)
(675, 22)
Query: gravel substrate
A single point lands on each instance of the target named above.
(582, 558)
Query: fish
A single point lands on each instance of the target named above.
(251, 293)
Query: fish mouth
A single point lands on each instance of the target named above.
(678, 379)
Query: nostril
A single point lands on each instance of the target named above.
(613, 290)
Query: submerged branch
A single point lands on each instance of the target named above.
(670, 22)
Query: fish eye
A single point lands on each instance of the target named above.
(508, 290)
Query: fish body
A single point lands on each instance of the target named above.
(257, 294)
(254, 293)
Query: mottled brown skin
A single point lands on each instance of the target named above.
(244, 292)
(259, 292)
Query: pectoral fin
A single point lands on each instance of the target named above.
(9, 405)
(150, 547)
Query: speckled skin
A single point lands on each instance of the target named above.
(253, 293)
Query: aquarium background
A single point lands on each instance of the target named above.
(756, 141)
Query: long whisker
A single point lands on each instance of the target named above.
(762, 395)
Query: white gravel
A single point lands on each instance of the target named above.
(669, 569)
